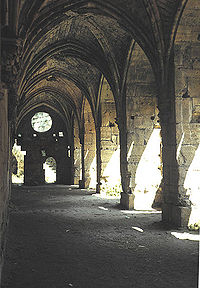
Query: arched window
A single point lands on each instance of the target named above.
(50, 170)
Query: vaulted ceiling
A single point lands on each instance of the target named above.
(66, 46)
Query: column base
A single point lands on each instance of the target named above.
(34, 183)
(127, 201)
(81, 184)
(98, 189)
(176, 215)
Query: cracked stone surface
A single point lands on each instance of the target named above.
(61, 236)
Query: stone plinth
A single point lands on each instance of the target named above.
(176, 215)
(127, 201)
(81, 184)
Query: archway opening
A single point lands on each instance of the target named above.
(17, 164)
(50, 170)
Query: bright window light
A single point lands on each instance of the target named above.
(41, 122)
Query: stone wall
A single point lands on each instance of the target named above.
(143, 132)
(77, 154)
(187, 89)
(54, 142)
(4, 168)
(110, 161)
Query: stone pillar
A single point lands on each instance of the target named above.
(126, 195)
(89, 147)
(63, 168)
(82, 180)
(173, 210)
(71, 156)
(143, 137)
(98, 157)
(77, 154)
(110, 150)
(187, 90)
(33, 168)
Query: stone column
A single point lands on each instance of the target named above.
(187, 59)
(98, 157)
(33, 168)
(172, 210)
(110, 151)
(143, 141)
(82, 181)
(127, 198)
(77, 154)
(71, 158)
(63, 168)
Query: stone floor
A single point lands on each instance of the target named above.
(60, 236)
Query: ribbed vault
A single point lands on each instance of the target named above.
(66, 46)
(112, 71)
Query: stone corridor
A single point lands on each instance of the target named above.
(60, 236)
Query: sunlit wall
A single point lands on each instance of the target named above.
(93, 174)
(111, 178)
(111, 175)
(192, 185)
(148, 174)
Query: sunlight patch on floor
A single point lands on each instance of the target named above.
(138, 229)
(141, 212)
(104, 196)
(186, 236)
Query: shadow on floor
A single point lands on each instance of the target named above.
(64, 237)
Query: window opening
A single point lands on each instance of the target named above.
(68, 151)
(41, 122)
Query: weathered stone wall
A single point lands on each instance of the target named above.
(187, 89)
(89, 148)
(4, 168)
(77, 154)
(110, 161)
(110, 150)
(143, 131)
(41, 145)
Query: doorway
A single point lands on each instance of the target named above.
(50, 170)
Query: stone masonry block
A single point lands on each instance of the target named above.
(127, 201)
(176, 215)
